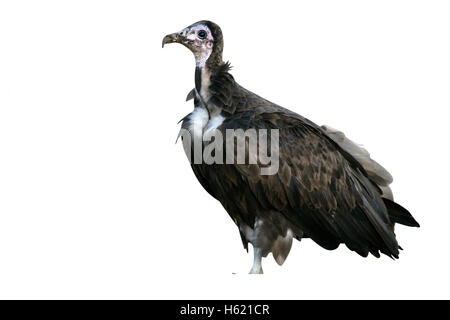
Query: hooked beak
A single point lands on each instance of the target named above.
(172, 38)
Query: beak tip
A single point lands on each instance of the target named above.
(171, 38)
(166, 39)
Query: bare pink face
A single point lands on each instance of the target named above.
(198, 38)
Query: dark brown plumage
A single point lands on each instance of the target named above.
(320, 190)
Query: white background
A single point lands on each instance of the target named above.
(97, 201)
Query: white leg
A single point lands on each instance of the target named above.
(257, 262)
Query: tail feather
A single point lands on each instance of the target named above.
(400, 215)
(376, 174)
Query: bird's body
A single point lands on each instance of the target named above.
(321, 190)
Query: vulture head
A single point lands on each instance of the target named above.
(204, 39)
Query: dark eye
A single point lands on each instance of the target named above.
(201, 34)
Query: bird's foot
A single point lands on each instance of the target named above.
(256, 270)
(257, 262)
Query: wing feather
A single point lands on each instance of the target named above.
(319, 187)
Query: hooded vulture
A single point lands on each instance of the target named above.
(325, 187)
